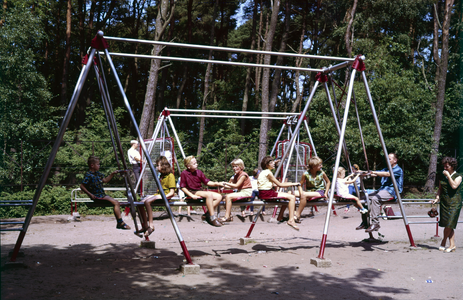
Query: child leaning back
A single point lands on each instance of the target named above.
(342, 188)
(92, 185)
(265, 183)
(190, 183)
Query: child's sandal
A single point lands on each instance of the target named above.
(149, 231)
(122, 226)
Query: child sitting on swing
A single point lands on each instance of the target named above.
(92, 185)
(342, 188)
(168, 186)
(314, 179)
(242, 183)
(265, 183)
(190, 183)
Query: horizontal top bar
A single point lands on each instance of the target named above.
(232, 112)
(110, 38)
(227, 117)
(222, 62)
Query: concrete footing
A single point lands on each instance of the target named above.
(20, 254)
(15, 265)
(187, 269)
(148, 244)
(415, 248)
(245, 241)
(272, 220)
(436, 238)
(320, 262)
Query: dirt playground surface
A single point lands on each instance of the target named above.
(91, 259)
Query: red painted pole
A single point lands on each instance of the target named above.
(322, 247)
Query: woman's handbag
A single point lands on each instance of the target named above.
(433, 212)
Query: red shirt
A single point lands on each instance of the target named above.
(247, 181)
(193, 180)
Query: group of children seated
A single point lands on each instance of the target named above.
(192, 180)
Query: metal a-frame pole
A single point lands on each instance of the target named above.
(310, 137)
(278, 137)
(298, 125)
(161, 120)
(175, 134)
(333, 112)
(64, 124)
(116, 142)
(148, 158)
(336, 166)
(383, 145)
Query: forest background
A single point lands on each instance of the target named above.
(412, 62)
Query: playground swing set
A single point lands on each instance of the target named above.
(294, 154)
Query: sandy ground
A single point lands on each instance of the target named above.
(91, 259)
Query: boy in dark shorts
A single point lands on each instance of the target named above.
(92, 185)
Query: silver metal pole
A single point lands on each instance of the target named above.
(361, 133)
(337, 67)
(338, 159)
(298, 125)
(278, 138)
(227, 117)
(383, 145)
(310, 137)
(220, 62)
(215, 48)
(150, 148)
(64, 124)
(145, 151)
(176, 137)
(328, 95)
(173, 150)
(231, 112)
(116, 141)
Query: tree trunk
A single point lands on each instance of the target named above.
(247, 85)
(259, 57)
(349, 19)
(441, 76)
(67, 55)
(202, 122)
(298, 64)
(81, 16)
(276, 83)
(147, 118)
(263, 138)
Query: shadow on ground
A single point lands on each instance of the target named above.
(115, 271)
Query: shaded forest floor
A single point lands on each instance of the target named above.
(91, 259)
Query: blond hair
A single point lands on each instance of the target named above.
(341, 172)
(238, 162)
(187, 160)
(315, 161)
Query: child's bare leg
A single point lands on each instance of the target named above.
(143, 213)
(116, 206)
(358, 203)
(302, 202)
(291, 207)
(149, 210)
(228, 205)
(216, 199)
(209, 201)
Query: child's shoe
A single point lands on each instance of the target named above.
(364, 211)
